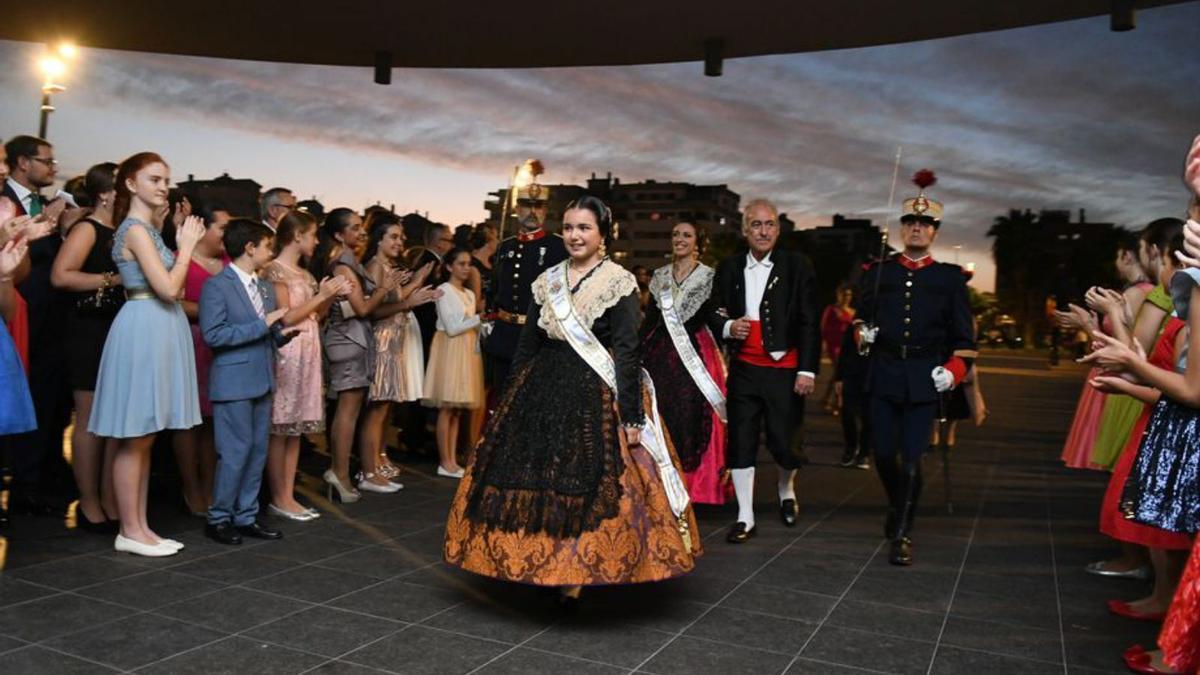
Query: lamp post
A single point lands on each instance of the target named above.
(53, 66)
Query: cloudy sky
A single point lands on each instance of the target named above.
(1065, 116)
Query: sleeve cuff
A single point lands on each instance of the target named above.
(726, 332)
(957, 368)
(806, 373)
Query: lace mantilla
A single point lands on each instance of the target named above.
(689, 295)
(605, 288)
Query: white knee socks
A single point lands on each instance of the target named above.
(786, 488)
(743, 488)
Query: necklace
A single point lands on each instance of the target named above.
(592, 270)
(207, 263)
(675, 277)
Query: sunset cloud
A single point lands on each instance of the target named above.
(1061, 116)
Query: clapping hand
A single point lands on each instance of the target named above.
(11, 255)
(334, 286)
(423, 273)
(1113, 355)
(182, 210)
(1114, 384)
(189, 232)
(423, 295)
(52, 210)
(1077, 318)
(1106, 301)
(1191, 233)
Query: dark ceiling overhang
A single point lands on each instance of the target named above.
(459, 34)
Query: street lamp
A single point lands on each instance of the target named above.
(53, 67)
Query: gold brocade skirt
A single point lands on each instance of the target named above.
(643, 543)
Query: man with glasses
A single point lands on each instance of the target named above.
(763, 302)
(915, 320)
(274, 205)
(518, 261)
(36, 458)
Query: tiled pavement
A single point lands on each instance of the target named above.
(998, 587)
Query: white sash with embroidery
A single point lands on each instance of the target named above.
(588, 347)
(687, 353)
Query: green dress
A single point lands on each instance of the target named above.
(1121, 412)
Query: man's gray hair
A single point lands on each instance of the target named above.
(759, 203)
(271, 198)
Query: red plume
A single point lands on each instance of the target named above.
(924, 178)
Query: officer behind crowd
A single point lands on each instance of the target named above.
(915, 318)
(518, 261)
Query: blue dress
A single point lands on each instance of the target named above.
(147, 378)
(1163, 489)
(16, 407)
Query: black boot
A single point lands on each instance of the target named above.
(910, 479)
(889, 475)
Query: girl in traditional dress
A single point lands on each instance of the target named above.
(573, 482)
(681, 356)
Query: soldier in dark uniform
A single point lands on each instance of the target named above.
(914, 317)
(518, 261)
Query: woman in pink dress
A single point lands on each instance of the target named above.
(834, 321)
(195, 449)
(1077, 451)
(298, 408)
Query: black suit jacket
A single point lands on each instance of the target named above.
(426, 314)
(47, 306)
(787, 312)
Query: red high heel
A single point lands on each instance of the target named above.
(1122, 608)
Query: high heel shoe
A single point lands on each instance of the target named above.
(365, 484)
(345, 495)
(1140, 661)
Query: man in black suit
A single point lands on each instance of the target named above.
(438, 242)
(915, 316)
(37, 460)
(764, 310)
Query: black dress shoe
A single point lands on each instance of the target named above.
(738, 534)
(788, 512)
(901, 553)
(847, 458)
(259, 531)
(223, 533)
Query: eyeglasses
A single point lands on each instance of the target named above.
(48, 161)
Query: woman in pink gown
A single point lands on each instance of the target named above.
(834, 321)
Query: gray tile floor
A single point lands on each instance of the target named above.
(999, 586)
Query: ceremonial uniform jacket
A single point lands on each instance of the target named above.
(518, 261)
(924, 321)
(787, 312)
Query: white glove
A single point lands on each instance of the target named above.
(867, 334)
(943, 380)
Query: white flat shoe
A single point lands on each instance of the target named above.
(450, 474)
(313, 512)
(301, 517)
(173, 543)
(160, 550)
